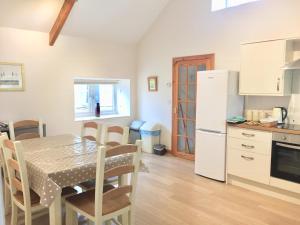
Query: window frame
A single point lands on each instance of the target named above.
(114, 111)
(92, 105)
(227, 4)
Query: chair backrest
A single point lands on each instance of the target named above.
(16, 169)
(25, 124)
(91, 126)
(110, 135)
(3, 137)
(131, 168)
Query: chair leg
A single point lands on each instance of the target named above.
(131, 217)
(120, 219)
(71, 216)
(125, 219)
(98, 221)
(28, 219)
(108, 222)
(14, 214)
(7, 202)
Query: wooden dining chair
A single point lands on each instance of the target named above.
(95, 127)
(106, 203)
(6, 188)
(18, 130)
(22, 196)
(116, 135)
(113, 136)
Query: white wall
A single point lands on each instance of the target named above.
(49, 73)
(188, 27)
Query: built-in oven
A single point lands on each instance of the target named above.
(285, 162)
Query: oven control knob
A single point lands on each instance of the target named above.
(284, 138)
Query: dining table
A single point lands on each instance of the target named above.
(56, 162)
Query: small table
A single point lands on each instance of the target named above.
(60, 161)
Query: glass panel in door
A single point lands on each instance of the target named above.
(186, 107)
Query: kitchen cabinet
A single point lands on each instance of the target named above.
(261, 69)
(249, 154)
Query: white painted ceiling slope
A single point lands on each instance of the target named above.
(115, 20)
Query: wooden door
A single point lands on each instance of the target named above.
(184, 102)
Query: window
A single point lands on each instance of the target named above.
(110, 94)
(223, 4)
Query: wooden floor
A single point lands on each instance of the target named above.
(170, 194)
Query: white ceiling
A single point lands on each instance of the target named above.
(116, 20)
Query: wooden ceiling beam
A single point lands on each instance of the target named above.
(60, 20)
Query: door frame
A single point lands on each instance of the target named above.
(211, 59)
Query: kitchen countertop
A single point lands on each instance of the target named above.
(269, 129)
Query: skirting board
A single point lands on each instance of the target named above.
(264, 189)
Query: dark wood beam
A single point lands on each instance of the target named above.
(60, 20)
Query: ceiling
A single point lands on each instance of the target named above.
(116, 20)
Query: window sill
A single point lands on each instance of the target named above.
(103, 117)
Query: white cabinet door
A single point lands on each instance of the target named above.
(261, 72)
(249, 165)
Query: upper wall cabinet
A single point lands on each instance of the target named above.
(261, 69)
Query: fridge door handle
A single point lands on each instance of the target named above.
(206, 131)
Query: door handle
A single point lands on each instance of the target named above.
(278, 84)
(288, 146)
(248, 146)
(248, 135)
(247, 158)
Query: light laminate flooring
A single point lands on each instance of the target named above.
(171, 194)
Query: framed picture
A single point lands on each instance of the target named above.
(11, 77)
(152, 83)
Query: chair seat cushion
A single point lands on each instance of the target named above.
(35, 199)
(86, 202)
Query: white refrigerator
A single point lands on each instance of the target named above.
(217, 100)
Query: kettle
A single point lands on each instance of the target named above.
(279, 114)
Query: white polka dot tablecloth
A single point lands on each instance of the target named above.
(60, 161)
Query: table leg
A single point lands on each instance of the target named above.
(55, 211)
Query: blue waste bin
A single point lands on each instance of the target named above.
(150, 133)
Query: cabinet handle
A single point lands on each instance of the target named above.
(248, 146)
(247, 158)
(248, 135)
(278, 84)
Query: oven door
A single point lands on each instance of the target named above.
(285, 163)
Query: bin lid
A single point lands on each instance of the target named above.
(150, 126)
(136, 124)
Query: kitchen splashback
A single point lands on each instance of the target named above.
(292, 103)
(266, 102)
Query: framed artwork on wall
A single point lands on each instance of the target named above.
(152, 83)
(11, 77)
